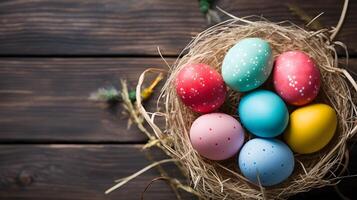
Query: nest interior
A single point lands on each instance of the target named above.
(223, 180)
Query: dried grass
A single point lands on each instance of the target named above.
(222, 180)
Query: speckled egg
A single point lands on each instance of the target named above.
(270, 159)
(216, 136)
(296, 77)
(248, 64)
(263, 113)
(200, 87)
(311, 128)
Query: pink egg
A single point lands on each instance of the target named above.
(200, 87)
(296, 77)
(216, 136)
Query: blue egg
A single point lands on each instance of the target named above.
(247, 64)
(270, 159)
(263, 113)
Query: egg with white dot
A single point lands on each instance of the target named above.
(216, 136)
(296, 77)
(248, 64)
(200, 87)
(269, 159)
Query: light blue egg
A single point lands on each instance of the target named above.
(270, 159)
(263, 113)
(247, 64)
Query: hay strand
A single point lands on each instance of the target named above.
(222, 180)
(213, 180)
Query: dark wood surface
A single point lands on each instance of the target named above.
(136, 27)
(78, 172)
(84, 172)
(46, 99)
(54, 142)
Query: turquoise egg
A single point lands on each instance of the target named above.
(247, 64)
(269, 159)
(263, 113)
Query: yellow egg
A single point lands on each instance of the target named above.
(311, 128)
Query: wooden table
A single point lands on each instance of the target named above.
(55, 143)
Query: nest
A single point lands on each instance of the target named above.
(223, 180)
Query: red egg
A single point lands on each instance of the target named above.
(296, 77)
(200, 87)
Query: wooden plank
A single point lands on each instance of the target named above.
(128, 27)
(277, 11)
(76, 172)
(46, 100)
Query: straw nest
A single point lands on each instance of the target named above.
(223, 180)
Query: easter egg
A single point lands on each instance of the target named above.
(263, 113)
(269, 159)
(247, 64)
(200, 87)
(216, 136)
(296, 77)
(311, 128)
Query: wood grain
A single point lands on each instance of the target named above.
(135, 27)
(46, 100)
(54, 142)
(76, 172)
(84, 172)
